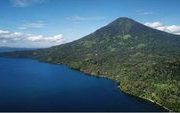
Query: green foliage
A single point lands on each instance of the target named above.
(141, 45)
(126, 37)
(88, 44)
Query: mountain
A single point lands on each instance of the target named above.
(10, 49)
(144, 61)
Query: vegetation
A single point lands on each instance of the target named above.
(145, 61)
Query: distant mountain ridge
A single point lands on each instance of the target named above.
(10, 49)
(145, 61)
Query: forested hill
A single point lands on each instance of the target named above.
(145, 61)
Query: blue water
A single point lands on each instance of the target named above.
(29, 85)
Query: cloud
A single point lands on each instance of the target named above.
(146, 13)
(81, 18)
(41, 38)
(7, 37)
(2, 31)
(143, 12)
(38, 24)
(25, 3)
(174, 29)
(154, 24)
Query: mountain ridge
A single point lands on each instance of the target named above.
(11, 49)
(145, 61)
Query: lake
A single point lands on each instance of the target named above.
(29, 85)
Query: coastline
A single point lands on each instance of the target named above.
(157, 104)
(109, 78)
(168, 110)
(104, 77)
(118, 86)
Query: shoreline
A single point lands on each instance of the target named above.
(118, 86)
(108, 78)
(157, 104)
(104, 77)
(147, 99)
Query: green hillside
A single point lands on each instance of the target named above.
(145, 61)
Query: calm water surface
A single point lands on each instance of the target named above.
(29, 85)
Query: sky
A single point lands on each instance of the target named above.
(45, 23)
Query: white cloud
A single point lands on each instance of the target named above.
(174, 29)
(1, 31)
(38, 24)
(146, 13)
(143, 12)
(25, 3)
(41, 38)
(81, 18)
(154, 24)
(7, 37)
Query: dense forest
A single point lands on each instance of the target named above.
(144, 61)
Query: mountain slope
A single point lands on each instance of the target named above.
(145, 61)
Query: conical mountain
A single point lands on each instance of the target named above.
(124, 36)
(145, 61)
